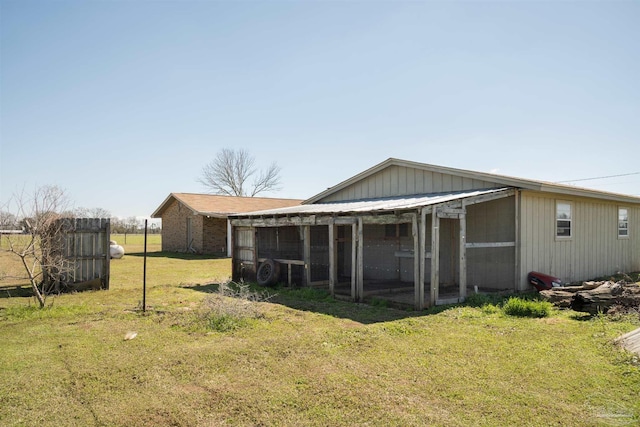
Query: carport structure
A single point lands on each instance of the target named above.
(471, 232)
(366, 249)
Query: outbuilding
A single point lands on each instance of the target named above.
(423, 234)
(198, 223)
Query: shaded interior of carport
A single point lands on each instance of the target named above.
(366, 250)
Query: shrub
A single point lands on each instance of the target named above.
(480, 300)
(234, 306)
(490, 309)
(525, 308)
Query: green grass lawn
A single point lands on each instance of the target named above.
(299, 359)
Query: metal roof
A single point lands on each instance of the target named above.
(385, 204)
(500, 180)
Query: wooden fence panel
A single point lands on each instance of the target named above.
(85, 245)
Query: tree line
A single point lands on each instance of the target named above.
(132, 224)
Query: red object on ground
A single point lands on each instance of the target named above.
(543, 281)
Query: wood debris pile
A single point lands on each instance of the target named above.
(593, 297)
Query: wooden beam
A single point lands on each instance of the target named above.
(449, 215)
(415, 232)
(299, 220)
(447, 212)
(463, 258)
(360, 276)
(423, 252)
(107, 251)
(517, 249)
(254, 246)
(307, 254)
(435, 258)
(229, 239)
(489, 245)
(280, 221)
(344, 220)
(333, 272)
(387, 218)
(285, 261)
(354, 260)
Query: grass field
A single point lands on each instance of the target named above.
(298, 359)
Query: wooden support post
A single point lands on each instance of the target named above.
(333, 272)
(354, 260)
(435, 256)
(416, 260)
(107, 262)
(307, 254)
(517, 249)
(360, 276)
(423, 255)
(229, 239)
(463, 257)
(254, 247)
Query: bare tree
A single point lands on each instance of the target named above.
(118, 225)
(92, 213)
(132, 224)
(38, 250)
(8, 221)
(229, 174)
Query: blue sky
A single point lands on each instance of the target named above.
(123, 102)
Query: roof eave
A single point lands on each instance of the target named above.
(525, 184)
(158, 212)
(593, 194)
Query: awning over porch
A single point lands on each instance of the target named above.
(344, 224)
(388, 204)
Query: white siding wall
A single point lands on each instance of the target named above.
(403, 181)
(594, 248)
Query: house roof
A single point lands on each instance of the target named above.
(502, 180)
(386, 204)
(222, 206)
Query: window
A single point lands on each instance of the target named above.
(623, 222)
(563, 219)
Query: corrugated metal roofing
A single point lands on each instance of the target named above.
(222, 206)
(374, 205)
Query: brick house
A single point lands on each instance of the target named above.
(198, 222)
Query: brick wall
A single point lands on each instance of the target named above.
(174, 228)
(208, 235)
(215, 235)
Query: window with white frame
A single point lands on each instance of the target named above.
(563, 219)
(623, 222)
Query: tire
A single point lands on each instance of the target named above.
(268, 273)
